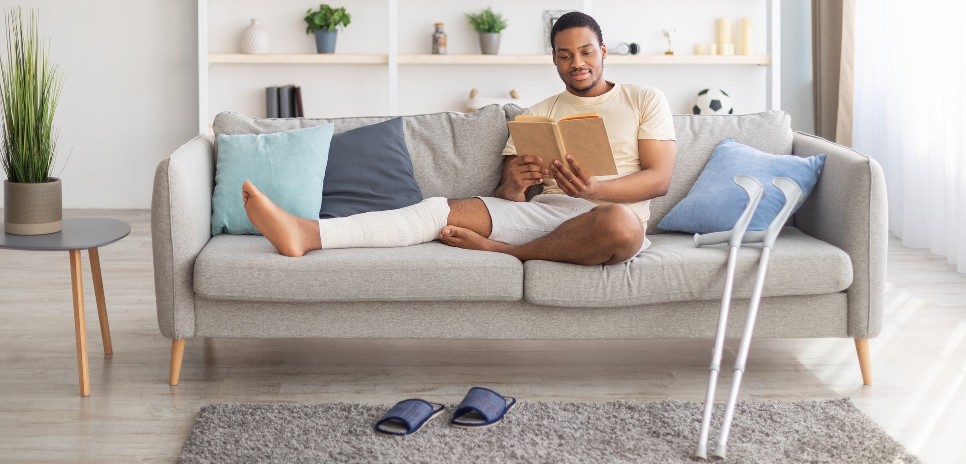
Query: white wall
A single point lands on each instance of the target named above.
(796, 78)
(129, 96)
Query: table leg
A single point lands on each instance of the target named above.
(101, 303)
(77, 290)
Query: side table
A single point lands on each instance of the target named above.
(78, 234)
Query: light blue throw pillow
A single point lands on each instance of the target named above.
(288, 167)
(714, 202)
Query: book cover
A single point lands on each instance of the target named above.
(286, 97)
(299, 112)
(582, 136)
(271, 102)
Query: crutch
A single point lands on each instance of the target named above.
(755, 191)
(792, 194)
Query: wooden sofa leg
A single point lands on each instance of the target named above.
(865, 364)
(177, 354)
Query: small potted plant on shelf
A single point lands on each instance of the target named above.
(489, 24)
(324, 22)
(29, 89)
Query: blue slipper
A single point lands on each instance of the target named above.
(481, 407)
(407, 417)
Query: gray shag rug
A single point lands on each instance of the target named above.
(832, 431)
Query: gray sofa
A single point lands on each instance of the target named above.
(825, 279)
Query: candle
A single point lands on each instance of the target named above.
(746, 36)
(728, 49)
(700, 49)
(713, 49)
(724, 32)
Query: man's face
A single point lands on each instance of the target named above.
(580, 61)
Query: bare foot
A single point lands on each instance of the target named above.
(291, 235)
(465, 238)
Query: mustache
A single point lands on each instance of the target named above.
(576, 70)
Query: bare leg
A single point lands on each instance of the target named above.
(471, 214)
(607, 234)
(291, 235)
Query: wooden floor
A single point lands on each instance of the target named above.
(919, 364)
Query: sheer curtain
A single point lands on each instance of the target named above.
(910, 102)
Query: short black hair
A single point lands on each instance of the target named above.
(572, 20)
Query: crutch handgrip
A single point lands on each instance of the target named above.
(716, 238)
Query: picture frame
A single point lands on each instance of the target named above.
(549, 18)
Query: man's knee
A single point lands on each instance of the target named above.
(621, 228)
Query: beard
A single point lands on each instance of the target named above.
(578, 89)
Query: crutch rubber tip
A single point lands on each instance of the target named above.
(716, 456)
(697, 458)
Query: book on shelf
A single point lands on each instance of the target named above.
(299, 112)
(582, 136)
(271, 102)
(284, 102)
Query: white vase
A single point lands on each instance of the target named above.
(254, 39)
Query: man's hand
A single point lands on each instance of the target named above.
(520, 173)
(574, 180)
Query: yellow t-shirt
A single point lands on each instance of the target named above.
(630, 113)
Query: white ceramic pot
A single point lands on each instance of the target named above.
(254, 39)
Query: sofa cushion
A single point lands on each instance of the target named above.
(369, 170)
(770, 132)
(715, 201)
(454, 155)
(235, 267)
(673, 269)
(287, 166)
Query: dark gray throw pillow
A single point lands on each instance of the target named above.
(369, 169)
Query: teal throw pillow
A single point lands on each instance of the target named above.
(714, 202)
(289, 167)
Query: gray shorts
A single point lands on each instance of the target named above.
(516, 222)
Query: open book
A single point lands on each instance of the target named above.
(582, 136)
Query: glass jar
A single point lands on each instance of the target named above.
(439, 40)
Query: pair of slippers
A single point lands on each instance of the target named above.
(481, 407)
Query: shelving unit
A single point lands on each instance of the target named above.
(392, 60)
(307, 58)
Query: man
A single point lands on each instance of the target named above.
(577, 219)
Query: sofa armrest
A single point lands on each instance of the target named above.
(180, 228)
(849, 209)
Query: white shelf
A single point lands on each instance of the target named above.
(758, 60)
(392, 59)
(307, 58)
(301, 58)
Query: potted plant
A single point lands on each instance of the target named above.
(489, 24)
(29, 89)
(324, 22)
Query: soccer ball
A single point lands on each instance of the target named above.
(713, 101)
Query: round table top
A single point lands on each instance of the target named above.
(78, 233)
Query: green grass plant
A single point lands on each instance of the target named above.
(487, 21)
(29, 90)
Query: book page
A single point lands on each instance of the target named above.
(581, 116)
(535, 139)
(586, 140)
(532, 118)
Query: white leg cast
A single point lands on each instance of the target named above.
(419, 223)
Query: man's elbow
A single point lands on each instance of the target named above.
(662, 187)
